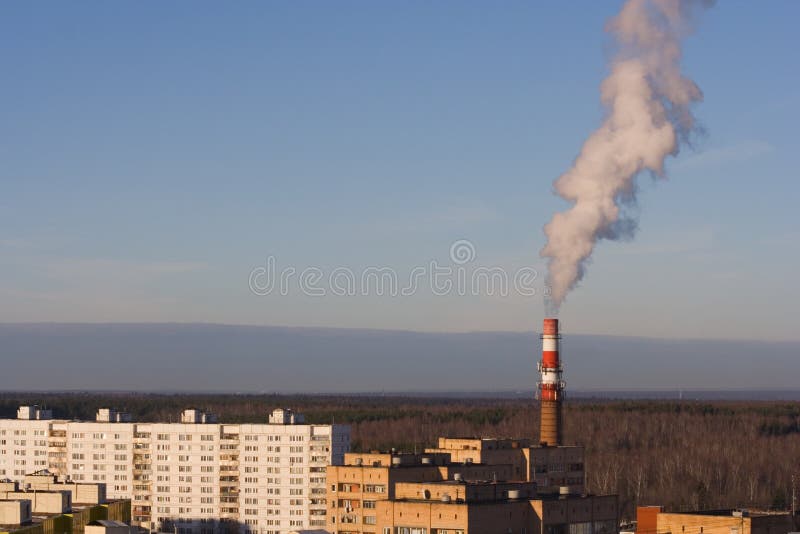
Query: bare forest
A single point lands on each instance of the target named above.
(684, 455)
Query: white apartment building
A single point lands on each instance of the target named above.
(196, 476)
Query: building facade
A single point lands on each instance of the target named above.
(551, 467)
(365, 479)
(194, 476)
(489, 507)
(653, 520)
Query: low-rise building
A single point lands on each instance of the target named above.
(488, 507)
(48, 495)
(16, 512)
(653, 520)
(75, 521)
(107, 526)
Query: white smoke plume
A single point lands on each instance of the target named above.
(648, 104)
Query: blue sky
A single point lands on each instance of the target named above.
(153, 154)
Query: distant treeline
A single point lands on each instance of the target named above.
(680, 454)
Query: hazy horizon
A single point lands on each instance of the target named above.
(227, 358)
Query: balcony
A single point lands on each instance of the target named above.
(228, 482)
(229, 512)
(228, 462)
(349, 519)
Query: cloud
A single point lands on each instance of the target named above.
(722, 156)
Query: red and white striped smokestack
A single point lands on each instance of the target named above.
(551, 387)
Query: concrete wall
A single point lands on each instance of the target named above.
(553, 467)
(487, 451)
(348, 487)
(42, 502)
(80, 493)
(103, 529)
(600, 513)
(466, 492)
(724, 523)
(15, 512)
(501, 518)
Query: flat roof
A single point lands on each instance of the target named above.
(729, 513)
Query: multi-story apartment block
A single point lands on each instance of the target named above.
(192, 476)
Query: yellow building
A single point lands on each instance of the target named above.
(550, 467)
(486, 451)
(354, 489)
(470, 507)
(651, 520)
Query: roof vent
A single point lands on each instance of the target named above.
(457, 477)
(445, 498)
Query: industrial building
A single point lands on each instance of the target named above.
(653, 520)
(488, 507)
(354, 489)
(430, 493)
(188, 477)
(551, 467)
(476, 485)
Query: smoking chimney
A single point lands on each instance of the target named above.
(551, 387)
